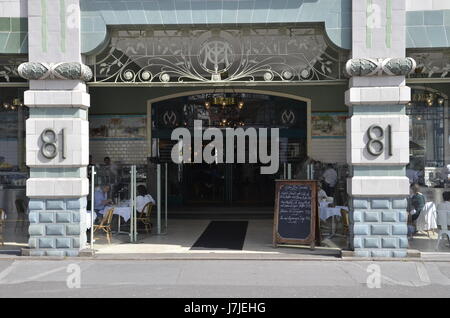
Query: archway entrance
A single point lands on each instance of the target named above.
(229, 183)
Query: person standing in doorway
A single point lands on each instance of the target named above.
(417, 201)
(329, 177)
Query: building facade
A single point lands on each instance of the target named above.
(351, 57)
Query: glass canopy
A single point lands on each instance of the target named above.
(219, 55)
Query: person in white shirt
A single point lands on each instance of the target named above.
(321, 194)
(143, 198)
(330, 180)
(443, 209)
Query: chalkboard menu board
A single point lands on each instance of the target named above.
(295, 213)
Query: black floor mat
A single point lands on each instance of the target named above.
(222, 235)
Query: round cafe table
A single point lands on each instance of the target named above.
(326, 212)
(122, 210)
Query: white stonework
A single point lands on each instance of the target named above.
(399, 123)
(54, 37)
(76, 133)
(377, 95)
(74, 85)
(61, 46)
(14, 8)
(357, 140)
(60, 98)
(374, 20)
(57, 187)
(378, 186)
(377, 81)
(427, 5)
(378, 33)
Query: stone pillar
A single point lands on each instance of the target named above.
(378, 130)
(57, 137)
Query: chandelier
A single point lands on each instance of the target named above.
(11, 101)
(224, 101)
(428, 98)
(12, 104)
(228, 106)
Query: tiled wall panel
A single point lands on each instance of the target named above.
(57, 227)
(124, 151)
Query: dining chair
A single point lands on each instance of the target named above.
(22, 217)
(145, 215)
(345, 221)
(443, 220)
(2, 226)
(105, 224)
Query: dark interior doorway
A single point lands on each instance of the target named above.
(228, 185)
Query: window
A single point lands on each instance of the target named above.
(427, 134)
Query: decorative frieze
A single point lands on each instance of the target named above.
(224, 55)
(57, 71)
(380, 67)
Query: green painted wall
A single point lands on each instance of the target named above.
(133, 100)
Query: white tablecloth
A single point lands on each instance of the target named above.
(427, 220)
(123, 211)
(88, 219)
(326, 212)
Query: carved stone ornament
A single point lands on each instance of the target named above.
(381, 67)
(61, 71)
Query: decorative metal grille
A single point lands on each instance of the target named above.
(188, 55)
(8, 68)
(431, 64)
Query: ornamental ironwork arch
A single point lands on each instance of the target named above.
(219, 55)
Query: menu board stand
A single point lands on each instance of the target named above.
(296, 219)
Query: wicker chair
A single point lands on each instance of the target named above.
(105, 224)
(2, 226)
(22, 217)
(144, 217)
(345, 221)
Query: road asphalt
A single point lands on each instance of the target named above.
(222, 278)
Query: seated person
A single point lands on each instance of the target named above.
(321, 194)
(101, 198)
(143, 198)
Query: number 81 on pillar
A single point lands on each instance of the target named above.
(377, 144)
(49, 148)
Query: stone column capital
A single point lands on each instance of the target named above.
(380, 67)
(55, 71)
